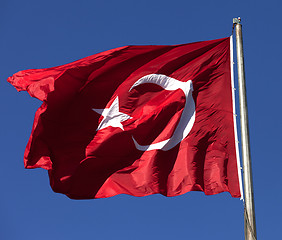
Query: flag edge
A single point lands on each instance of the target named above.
(239, 168)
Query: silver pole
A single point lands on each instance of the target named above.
(249, 211)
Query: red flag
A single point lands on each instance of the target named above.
(137, 120)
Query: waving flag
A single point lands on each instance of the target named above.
(137, 120)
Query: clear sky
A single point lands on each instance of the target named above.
(40, 34)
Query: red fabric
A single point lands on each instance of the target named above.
(84, 163)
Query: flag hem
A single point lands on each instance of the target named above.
(234, 120)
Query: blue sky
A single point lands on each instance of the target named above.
(39, 34)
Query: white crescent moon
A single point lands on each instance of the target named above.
(187, 117)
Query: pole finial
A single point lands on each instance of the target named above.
(236, 20)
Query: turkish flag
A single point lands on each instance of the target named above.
(137, 120)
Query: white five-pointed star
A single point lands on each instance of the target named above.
(112, 116)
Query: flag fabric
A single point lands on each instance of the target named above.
(136, 120)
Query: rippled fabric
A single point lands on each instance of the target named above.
(87, 130)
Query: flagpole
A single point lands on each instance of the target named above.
(249, 209)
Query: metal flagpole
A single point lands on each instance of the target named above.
(249, 209)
